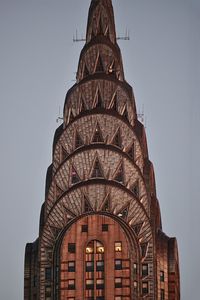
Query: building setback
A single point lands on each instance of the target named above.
(100, 233)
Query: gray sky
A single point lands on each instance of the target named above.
(38, 61)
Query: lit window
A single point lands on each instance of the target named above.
(100, 248)
(71, 266)
(118, 246)
(118, 282)
(100, 265)
(71, 248)
(145, 270)
(118, 297)
(90, 247)
(162, 294)
(84, 228)
(89, 284)
(135, 285)
(89, 266)
(145, 288)
(100, 284)
(71, 284)
(162, 276)
(135, 269)
(71, 298)
(118, 264)
(104, 227)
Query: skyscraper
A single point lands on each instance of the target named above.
(100, 231)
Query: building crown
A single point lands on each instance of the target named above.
(101, 20)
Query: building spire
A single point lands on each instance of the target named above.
(101, 20)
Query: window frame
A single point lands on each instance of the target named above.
(118, 266)
(71, 247)
(118, 246)
(71, 268)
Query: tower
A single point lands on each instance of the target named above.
(100, 234)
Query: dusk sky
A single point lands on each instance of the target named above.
(38, 62)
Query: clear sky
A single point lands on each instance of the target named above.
(38, 61)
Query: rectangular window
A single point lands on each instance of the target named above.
(47, 292)
(100, 284)
(100, 298)
(47, 273)
(135, 285)
(89, 284)
(72, 248)
(71, 284)
(135, 269)
(145, 270)
(118, 282)
(118, 264)
(35, 281)
(71, 298)
(71, 266)
(162, 294)
(162, 276)
(145, 288)
(89, 266)
(84, 228)
(118, 246)
(118, 297)
(104, 227)
(100, 265)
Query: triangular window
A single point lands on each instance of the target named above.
(123, 213)
(82, 105)
(135, 189)
(97, 137)
(131, 152)
(111, 69)
(117, 141)
(71, 117)
(97, 170)
(86, 71)
(59, 191)
(64, 154)
(75, 177)
(99, 102)
(54, 230)
(119, 175)
(99, 65)
(107, 33)
(137, 228)
(106, 204)
(125, 113)
(87, 205)
(78, 140)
